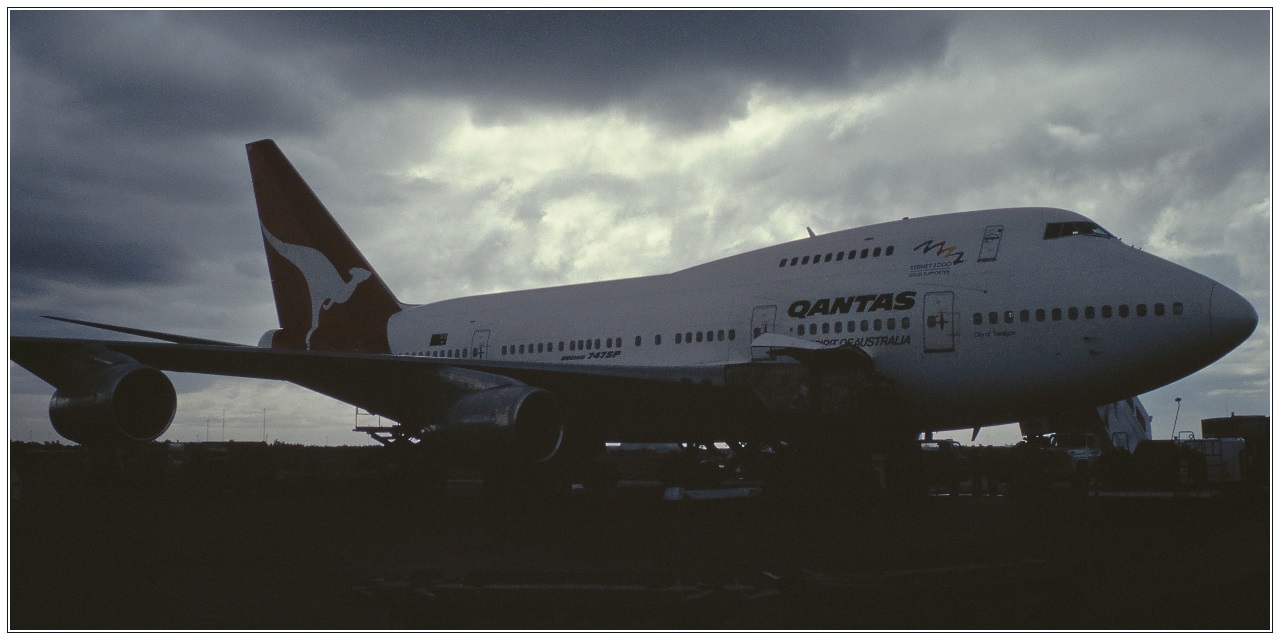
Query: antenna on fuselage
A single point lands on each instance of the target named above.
(811, 233)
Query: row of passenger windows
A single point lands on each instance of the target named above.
(853, 326)
(1075, 313)
(718, 335)
(688, 337)
(553, 347)
(874, 252)
(446, 353)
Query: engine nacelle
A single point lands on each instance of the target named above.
(125, 403)
(507, 424)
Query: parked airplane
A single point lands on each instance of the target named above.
(924, 324)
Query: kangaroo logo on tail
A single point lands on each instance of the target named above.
(318, 270)
(324, 284)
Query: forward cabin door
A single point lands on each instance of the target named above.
(764, 319)
(480, 344)
(939, 322)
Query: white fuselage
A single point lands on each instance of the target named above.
(977, 318)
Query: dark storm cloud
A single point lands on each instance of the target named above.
(678, 65)
(52, 247)
(1083, 34)
(157, 74)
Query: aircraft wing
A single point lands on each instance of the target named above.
(167, 337)
(619, 402)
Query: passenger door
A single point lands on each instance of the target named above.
(480, 344)
(939, 322)
(764, 319)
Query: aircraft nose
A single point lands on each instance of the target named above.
(1231, 318)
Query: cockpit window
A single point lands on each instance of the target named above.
(1078, 228)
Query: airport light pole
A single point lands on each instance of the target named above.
(1174, 433)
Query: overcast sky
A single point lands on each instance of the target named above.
(473, 152)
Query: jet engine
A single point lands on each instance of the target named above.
(125, 403)
(505, 424)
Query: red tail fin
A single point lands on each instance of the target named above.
(328, 298)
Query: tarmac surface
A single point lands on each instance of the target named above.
(317, 551)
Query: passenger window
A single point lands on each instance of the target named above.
(732, 334)
(608, 343)
(888, 251)
(827, 258)
(1039, 315)
(804, 260)
(1106, 311)
(679, 338)
(865, 326)
(800, 330)
(864, 253)
(853, 253)
(504, 349)
(993, 318)
(1073, 313)
(698, 336)
(813, 328)
(891, 324)
(561, 346)
(838, 328)
(1177, 308)
(1008, 317)
(1024, 316)
(637, 341)
(853, 326)
(521, 349)
(1124, 311)
(783, 263)
(932, 321)
(793, 261)
(977, 319)
(876, 253)
(720, 335)
(906, 323)
(657, 339)
(688, 337)
(1056, 314)
(1142, 310)
(1159, 308)
(597, 343)
(826, 328)
(1088, 313)
(877, 324)
(839, 256)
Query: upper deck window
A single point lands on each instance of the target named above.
(1078, 228)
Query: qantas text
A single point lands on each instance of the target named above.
(867, 302)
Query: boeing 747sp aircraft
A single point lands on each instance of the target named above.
(877, 333)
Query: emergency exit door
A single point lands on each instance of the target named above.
(939, 322)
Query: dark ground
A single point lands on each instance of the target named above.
(327, 546)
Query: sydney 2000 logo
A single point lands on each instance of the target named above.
(948, 255)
